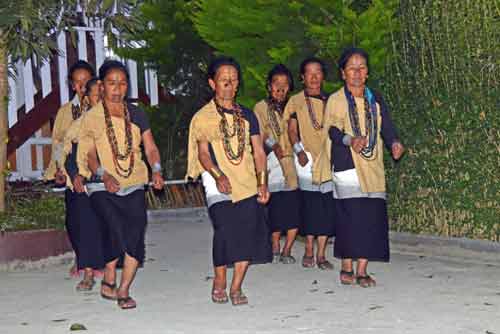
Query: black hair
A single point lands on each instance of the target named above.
(280, 69)
(80, 65)
(312, 60)
(90, 83)
(221, 61)
(348, 53)
(110, 65)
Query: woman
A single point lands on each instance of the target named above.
(284, 205)
(82, 224)
(225, 147)
(112, 133)
(357, 123)
(304, 113)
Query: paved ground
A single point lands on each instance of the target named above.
(415, 294)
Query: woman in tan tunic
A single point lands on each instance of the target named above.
(284, 205)
(113, 132)
(305, 115)
(82, 224)
(358, 124)
(225, 148)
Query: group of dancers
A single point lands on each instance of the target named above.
(96, 152)
(308, 164)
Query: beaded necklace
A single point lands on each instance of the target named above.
(316, 125)
(110, 132)
(274, 107)
(238, 130)
(78, 110)
(371, 126)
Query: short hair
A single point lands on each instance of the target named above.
(80, 65)
(311, 60)
(280, 69)
(110, 65)
(347, 54)
(221, 61)
(92, 82)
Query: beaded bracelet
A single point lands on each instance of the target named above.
(270, 142)
(298, 147)
(346, 140)
(156, 167)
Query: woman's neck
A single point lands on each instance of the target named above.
(225, 103)
(357, 91)
(313, 91)
(114, 108)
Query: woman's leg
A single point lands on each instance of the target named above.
(275, 237)
(219, 294)
(108, 287)
(129, 270)
(347, 273)
(291, 234)
(363, 279)
(321, 260)
(237, 296)
(308, 259)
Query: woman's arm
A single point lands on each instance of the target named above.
(153, 157)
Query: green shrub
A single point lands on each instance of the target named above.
(43, 212)
(443, 86)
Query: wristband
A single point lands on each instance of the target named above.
(346, 140)
(100, 172)
(262, 178)
(156, 167)
(298, 147)
(270, 142)
(215, 172)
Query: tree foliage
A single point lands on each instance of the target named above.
(262, 33)
(180, 56)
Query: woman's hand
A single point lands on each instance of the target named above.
(358, 143)
(60, 178)
(303, 159)
(78, 184)
(223, 184)
(263, 194)
(278, 151)
(111, 184)
(158, 181)
(397, 150)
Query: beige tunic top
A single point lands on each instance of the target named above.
(64, 120)
(370, 173)
(205, 127)
(287, 164)
(312, 139)
(93, 134)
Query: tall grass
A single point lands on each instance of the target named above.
(444, 87)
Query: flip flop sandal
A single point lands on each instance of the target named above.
(307, 261)
(287, 259)
(324, 264)
(85, 285)
(111, 286)
(219, 296)
(365, 281)
(238, 298)
(126, 303)
(350, 281)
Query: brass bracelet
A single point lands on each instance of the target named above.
(262, 178)
(215, 172)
